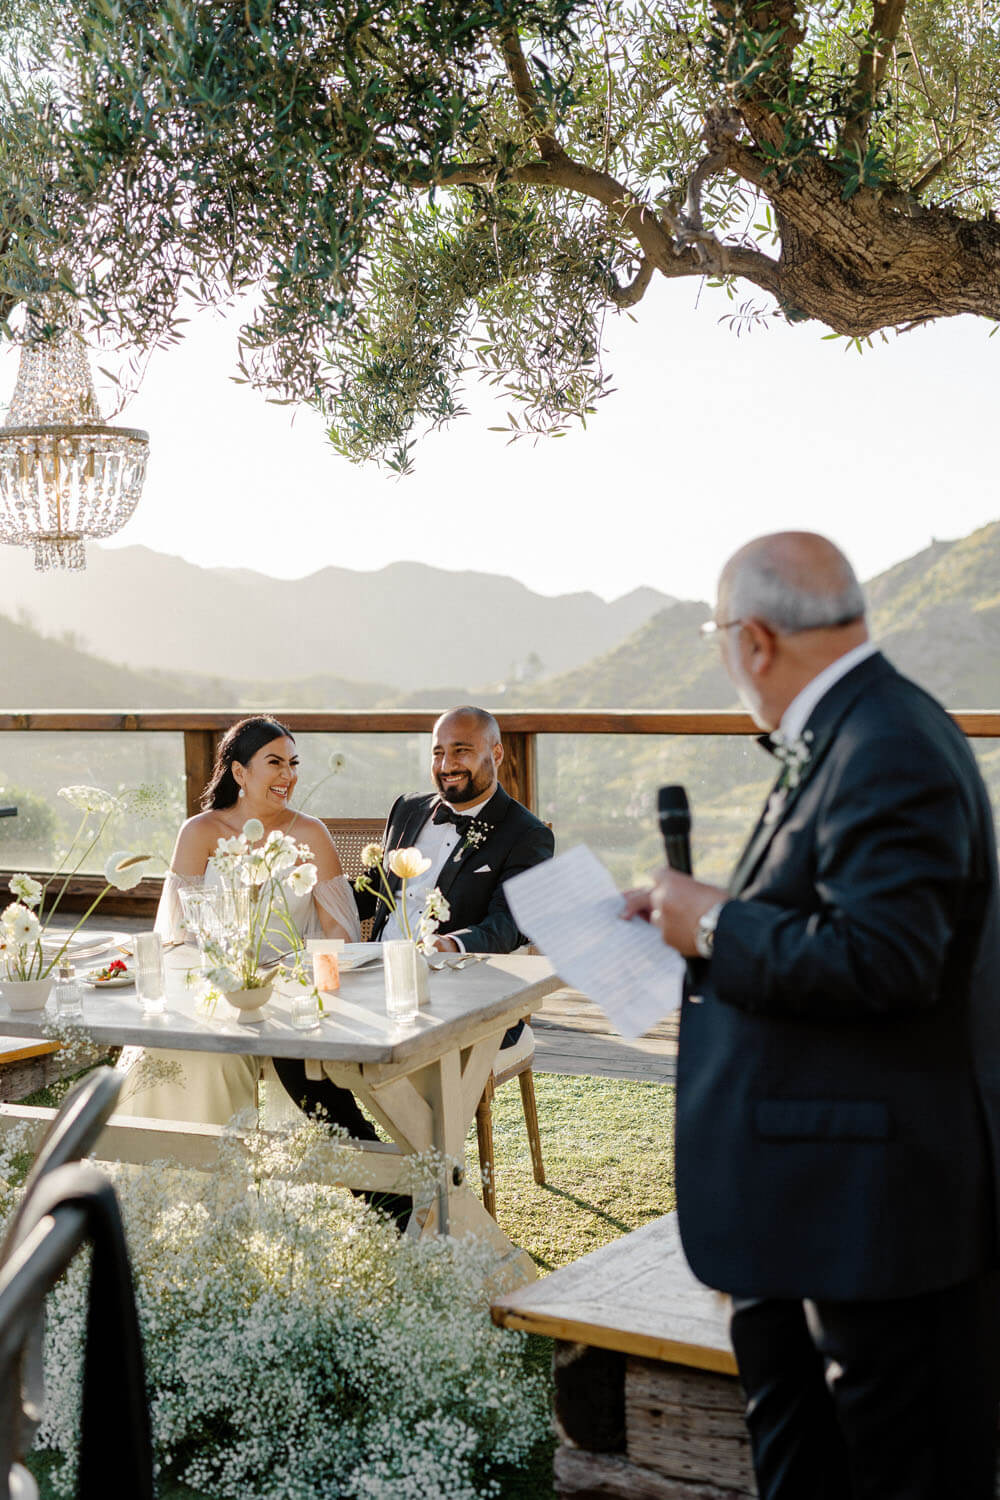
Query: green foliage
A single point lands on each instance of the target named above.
(32, 832)
(412, 194)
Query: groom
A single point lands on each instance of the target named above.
(476, 837)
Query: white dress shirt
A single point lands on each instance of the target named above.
(436, 842)
(796, 715)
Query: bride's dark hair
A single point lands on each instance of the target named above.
(241, 742)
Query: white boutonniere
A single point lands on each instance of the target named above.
(475, 834)
(794, 755)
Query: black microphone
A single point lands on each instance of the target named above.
(675, 826)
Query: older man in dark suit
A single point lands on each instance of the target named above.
(476, 837)
(838, 1115)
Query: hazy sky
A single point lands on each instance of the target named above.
(707, 440)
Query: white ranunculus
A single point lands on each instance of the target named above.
(253, 829)
(302, 879)
(25, 889)
(11, 913)
(25, 928)
(123, 869)
(90, 798)
(408, 863)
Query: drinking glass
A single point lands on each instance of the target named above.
(402, 997)
(305, 1009)
(150, 979)
(68, 998)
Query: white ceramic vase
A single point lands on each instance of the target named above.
(26, 994)
(248, 1002)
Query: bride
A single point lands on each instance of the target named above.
(255, 773)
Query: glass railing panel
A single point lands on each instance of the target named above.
(601, 790)
(35, 765)
(377, 768)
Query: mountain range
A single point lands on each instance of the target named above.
(406, 626)
(188, 637)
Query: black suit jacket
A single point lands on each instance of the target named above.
(472, 878)
(838, 1117)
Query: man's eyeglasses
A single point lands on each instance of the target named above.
(712, 628)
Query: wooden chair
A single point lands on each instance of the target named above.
(350, 836)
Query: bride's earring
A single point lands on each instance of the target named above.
(240, 792)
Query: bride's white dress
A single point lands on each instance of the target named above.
(217, 1085)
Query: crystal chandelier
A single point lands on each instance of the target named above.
(65, 474)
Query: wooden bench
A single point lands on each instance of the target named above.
(27, 1066)
(647, 1402)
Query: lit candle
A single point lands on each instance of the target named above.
(326, 968)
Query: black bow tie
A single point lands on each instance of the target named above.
(444, 814)
(766, 743)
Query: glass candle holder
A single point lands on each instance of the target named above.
(326, 968)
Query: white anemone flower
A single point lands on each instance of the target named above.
(302, 879)
(123, 869)
(281, 852)
(25, 928)
(90, 799)
(25, 889)
(253, 870)
(224, 979)
(253, 829)
(408, 863)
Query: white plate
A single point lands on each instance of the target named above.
(353, 955)
(85, 944)
(108, 984)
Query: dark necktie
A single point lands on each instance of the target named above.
(444, 814)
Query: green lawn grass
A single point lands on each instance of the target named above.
(608, 1150)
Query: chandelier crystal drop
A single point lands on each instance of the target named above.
(65, 474)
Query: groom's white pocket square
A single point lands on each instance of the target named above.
(483, 870)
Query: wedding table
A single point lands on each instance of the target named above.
(421, 1079)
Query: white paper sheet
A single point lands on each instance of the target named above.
(571, 910)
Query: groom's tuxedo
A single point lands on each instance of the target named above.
(838, 1109)
(508, 839)
(838, 1117)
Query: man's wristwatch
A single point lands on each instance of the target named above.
(704, 933)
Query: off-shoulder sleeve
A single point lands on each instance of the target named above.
(336, 898)
(170, 914)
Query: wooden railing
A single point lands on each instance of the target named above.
(202, 730)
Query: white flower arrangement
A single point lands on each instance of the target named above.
(295, 1344)
(22, 927)
(256, 882)
(406, 864)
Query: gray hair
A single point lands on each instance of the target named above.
(767, 584)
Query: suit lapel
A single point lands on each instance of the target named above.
(406, 837)
(823, 724)
(492, 815)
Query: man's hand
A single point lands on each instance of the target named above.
(446, 945)
(674, 905)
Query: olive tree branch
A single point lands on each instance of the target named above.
(876, 50)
